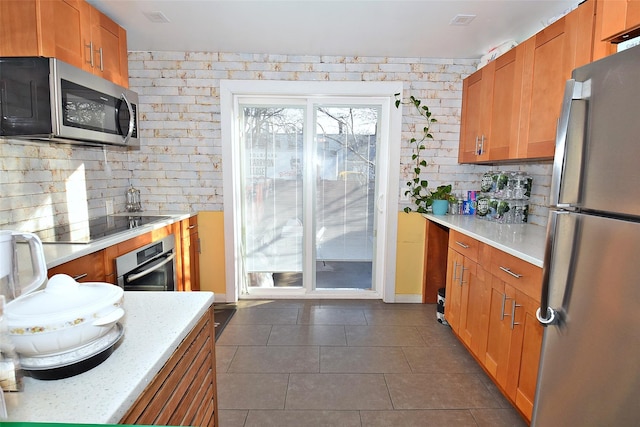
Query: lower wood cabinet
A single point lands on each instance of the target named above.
(491, 300)
(184, 391)
(88, 268)
(190, 254)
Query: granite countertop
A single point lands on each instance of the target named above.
(524, 241)
(59, 253)
(155, 324)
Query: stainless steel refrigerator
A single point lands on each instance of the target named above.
(590, 363)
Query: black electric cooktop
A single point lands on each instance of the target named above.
(96, 228)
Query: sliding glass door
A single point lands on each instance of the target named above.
(308, 191)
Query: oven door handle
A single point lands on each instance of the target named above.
(150, 270)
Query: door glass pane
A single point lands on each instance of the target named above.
(346, 166)
(273, 205)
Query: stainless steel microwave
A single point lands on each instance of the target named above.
(47, 99)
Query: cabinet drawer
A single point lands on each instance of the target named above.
(463, 244)
(524, 276)
(88, 268)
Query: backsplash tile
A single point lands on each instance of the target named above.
(179, 165)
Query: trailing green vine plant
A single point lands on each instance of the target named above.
(417, 188)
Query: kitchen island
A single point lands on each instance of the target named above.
(155, 325)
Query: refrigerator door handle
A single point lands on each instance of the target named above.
(545, 314)
(570, 137)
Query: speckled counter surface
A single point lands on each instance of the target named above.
(155, 324)
(524, 241)
(59, 253)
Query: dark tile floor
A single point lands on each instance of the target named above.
(350, 363)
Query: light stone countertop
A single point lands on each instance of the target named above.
(59, 253)
(524, 241)
(155, 324)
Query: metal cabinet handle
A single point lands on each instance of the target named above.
(507, 270)
(455, 270)
(80, 276)
(481, 149)
(502, 313)
(513, 314)
(101, 61)
(462, 270)
(477, 139)
(90, 46)
(462, 244)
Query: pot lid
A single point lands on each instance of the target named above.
(63, 298)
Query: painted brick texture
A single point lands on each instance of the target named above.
(179, 166)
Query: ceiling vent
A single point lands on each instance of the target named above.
(462, 19)
(157, 17)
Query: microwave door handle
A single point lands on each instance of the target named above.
(131, 118)
(136, 276)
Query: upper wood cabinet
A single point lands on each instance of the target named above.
(550, 57)
(517, 112)
(475, 128)
(490, 106)
(70, 30)
(619, 17)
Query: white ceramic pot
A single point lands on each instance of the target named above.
(63, 316)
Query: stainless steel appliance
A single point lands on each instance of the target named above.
(590, 363)
(47, 99)
(149, 268)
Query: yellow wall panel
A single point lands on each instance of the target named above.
(212, 268)
(410, 253)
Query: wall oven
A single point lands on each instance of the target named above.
(149, 268)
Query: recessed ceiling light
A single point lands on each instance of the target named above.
(157, 17)
(461, 19)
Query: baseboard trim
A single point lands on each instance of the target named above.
(414, 298)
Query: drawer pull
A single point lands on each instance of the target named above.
(191, 227)
(462, 244)
(506, 270)
(80, 276)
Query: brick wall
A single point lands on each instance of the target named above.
(179, 167)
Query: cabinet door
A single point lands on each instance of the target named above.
(525, 355)
(475, 124)
(452, 307)
(505, 106)
(64, 30)
(108, 42)
(88, 268)
(550, 57)
(473, 318)
(619, 17)
(496, 359)
(44, 28)
(194, 260)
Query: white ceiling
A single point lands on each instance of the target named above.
(400, 28)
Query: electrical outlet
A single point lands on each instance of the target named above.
(109, 206)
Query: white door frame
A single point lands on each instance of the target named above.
(388, 173)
